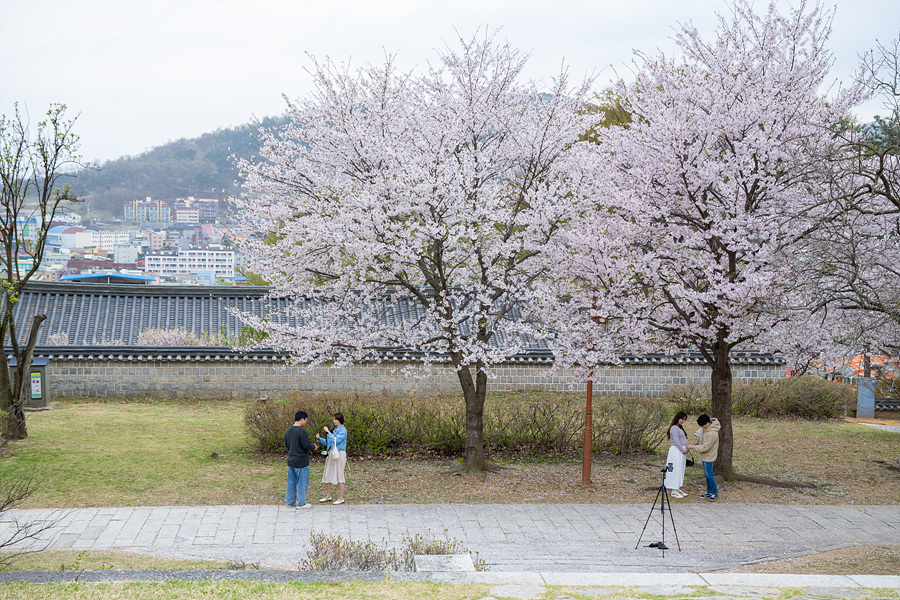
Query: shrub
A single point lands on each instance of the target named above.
(334, 553)
(266, 422)
(806, 397)
(692, 398)
(629, 424)
(536, 425)
(550, 424)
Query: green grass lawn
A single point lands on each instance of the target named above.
(167, 453)
(240, 590)
(133, 454)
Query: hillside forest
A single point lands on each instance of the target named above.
(201, 167)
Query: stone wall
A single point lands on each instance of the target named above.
(231, 379)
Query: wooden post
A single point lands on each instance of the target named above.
(588, 444)
(588, 433)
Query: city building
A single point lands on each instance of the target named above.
(195, 210)
(67, 218)
(187, 214)
(147, 211)
(126, 254)
(212, 261)
(108, 240)
(80, 237)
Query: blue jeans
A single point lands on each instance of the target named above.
(711, 487)
(298, 483)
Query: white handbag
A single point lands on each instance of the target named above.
(333, 452)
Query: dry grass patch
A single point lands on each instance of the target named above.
(855, 560)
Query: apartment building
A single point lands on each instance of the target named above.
(147, 211)
(213, 260)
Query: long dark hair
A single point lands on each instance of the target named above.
(679, 415)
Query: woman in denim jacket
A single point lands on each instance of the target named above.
(334, 463)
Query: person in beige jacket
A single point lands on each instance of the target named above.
(708, 448)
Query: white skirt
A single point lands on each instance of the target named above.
(675, 478)
(334, 468)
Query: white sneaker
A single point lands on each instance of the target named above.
(307, 505)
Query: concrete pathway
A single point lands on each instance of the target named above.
(536, 538)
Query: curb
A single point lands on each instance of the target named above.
(460, 577)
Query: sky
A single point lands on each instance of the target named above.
(140, 74)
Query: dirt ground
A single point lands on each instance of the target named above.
(845, 466)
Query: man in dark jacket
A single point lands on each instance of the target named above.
(298, 446)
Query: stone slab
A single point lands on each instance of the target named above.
(443, 562)
(877, 581)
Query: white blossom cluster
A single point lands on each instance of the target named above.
(409, 210)
(422, 211)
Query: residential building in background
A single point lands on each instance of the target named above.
(187, 214)
(147, 211)
(108, 240)
(67, 218)
(212, 262)
(126, 254)
(188, 210)
(195, 210)
(81, 237)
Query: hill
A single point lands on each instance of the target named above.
(199, 167)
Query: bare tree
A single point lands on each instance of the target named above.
(20, 536)
(30, 171)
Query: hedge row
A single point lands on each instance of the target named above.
(533, 423)
(512, 423)
(806, 397)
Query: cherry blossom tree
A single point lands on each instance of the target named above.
(405, 212)
(687, 235)
(856, 252)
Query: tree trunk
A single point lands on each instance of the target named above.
(6, 395)
(14, 395)
(720, 384)
(474, 393)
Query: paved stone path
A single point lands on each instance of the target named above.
(573, 538)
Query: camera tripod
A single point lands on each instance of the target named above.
(662, 496)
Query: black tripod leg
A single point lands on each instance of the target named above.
(652, 508)
(674, 529)
(662, 510)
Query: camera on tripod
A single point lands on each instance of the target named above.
(662, 497)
